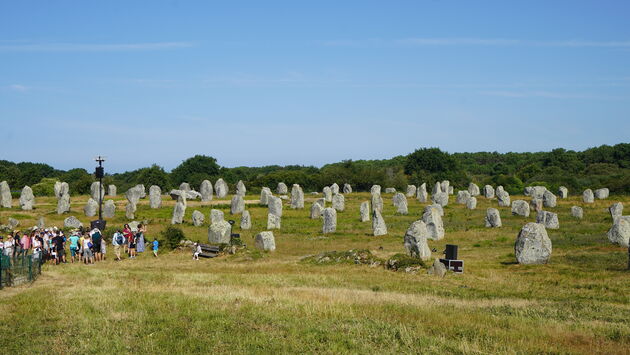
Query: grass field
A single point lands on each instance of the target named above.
(255, 302)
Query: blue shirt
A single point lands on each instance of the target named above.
(155, 245)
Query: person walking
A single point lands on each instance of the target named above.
(118, 241)
(156, 244)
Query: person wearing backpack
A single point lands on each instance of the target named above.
(96, 243)
(118, 240)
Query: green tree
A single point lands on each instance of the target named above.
(199, 167)
(153, 175)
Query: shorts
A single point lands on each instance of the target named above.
(60, 253)
(87, 253)
(132, 245)
(96, 248)
(73, 252)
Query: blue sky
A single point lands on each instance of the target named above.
(296, 82)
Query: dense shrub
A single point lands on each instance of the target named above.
(171, 237)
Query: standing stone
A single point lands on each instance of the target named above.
(282, 188)
(411, 190)
(41, 224)
(493, 218)
(462, 197)
(327, 194)
(206, 191)
(13, 223)
(548, 219)
(27, 199)
(377, 202)
(265, 193)
(390, 190)
(112, 190)
(334, 188)
(549, 199)
(445, 186)
(246, 220)
(197, 218)
(533, 245)
(57, 189)
(275, 206)
(577, 212)
(5, 195)
(178, 213)
(473, 189)
(378, 224)
(297, 196)
(339, 202)
(434, 223)
(503, 197)
(436, 188)
(620, 232)
(273, 221)
(563, 192)
(219, 232)
(265, 241)
(155, 196)
(415, 240)
(184, 186)
(488, 191)
(216, 216)
(364, 210)
(421, 193)
(90, 208)
(237, 205)
(587, 196)
(436, 206)
(134, 194)
(536, 204)
(330, 220)
(375, 189)
(221, 188)
(400, 202)
(130, 210)
(240, 188)
(63, 204)
(471, 203)
(451, 190)
(321, 202)
(64, 189)
(438, 269)
(72, 222)
(347, 188)
(109, 209)
(616, 210)
(520, 208)
(441, 198)
(602, 193)
(316, 210)
(94, 191)
(535, 191)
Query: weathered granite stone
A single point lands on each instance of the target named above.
(436, 206)
(548, 219)
(549, 199)
(297, 196)
(441, 198)
(240, 188)
(520, 208)
(265, 241)
(415, 240)
(216, 216)
(473, 189)
(63, 204)
(206, 190)
(221, 188)
(364, 210)
(411, 190)
(563, 192)
(184, 186)
(41, 224)
(237, 204)
(109, 209)
(339, 202)
(130, 210)
(197, 218)
(273, 221)
(602, 193)
(329, 223)
(620, 232)
(27, 199)
(434, 223)
(390, 190)
(451, 190)
(265, 193)
(219, 232)
(13, 223)
(316, 210)
(334, 188)
(134, 194)
(282, 188)
(445, 186)
(178, 213)
(503, 197)
(471, 203)
(347, 188)
(72, 222)
(5, 195)
(616, 210)
(438, 269)
(246, 220)
(436, 188)
(275, 206)
(535, 191)
(378, 224)
(94, 191)
(533, 245)
(577, 212)
(400, 202)
(112, 190)
(536, 204)
(587, 196)
(462, 197)
(488, 191)
(493, 218)
(90, 208)
(421, 193)
(327, 193)
(155, 196)
(377, 202)
(57, 189)
(375, 189)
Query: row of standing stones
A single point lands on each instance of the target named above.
(533, 239)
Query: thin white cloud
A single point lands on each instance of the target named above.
(93, 47)
(445, 41)
(18, 87)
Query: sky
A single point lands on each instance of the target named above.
(255, 83)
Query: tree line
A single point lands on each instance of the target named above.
(603, 166)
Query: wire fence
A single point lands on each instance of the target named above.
(19, 269)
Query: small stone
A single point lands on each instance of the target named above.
(5, 195)
(587, 196)
(206, 190)
(94, 191)
(327, 193)
(445, 186)
(473, 189)
(237, 205)
(240, 188)
(549, 199)
(563, 192)
(411, 190)
(437, 207)
(378, 224)
(219, 232)
(434, 223)
(184, 186)
(27, 199)
(221, 188)
(438, 269)
(619, 234)
(112, 190)
(520, 208)
(548, 219)
(364, 209)
(471, 204)
(297, 197)
(400, 202)
(155, 196)
(282, 188)
(339, 202)
(334, 188)
(197, 218)
(90, 208)
(265, 193)
(375, 189)
(130, 210)
(329, 224)
(602, 193)
(616, 210)
(275, 206)
(265, 241)
(216, 216)
(440, 198)
(415, 240)
(273, 221)
(536, 204)
(577, 212)
(63, 204)
(488, 191)
(109, 209)
(533, 245)
(13, 223)
(493, 218)
(421, 193)
(347, 188)
(178, 213)
(134, 194)
(72, 222)
(246, 220)
(41, 224)
(503, 197)
(462, 197)
(390, 190)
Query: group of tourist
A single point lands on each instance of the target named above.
(87, 246)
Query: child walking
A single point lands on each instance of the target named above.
(156, 244)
